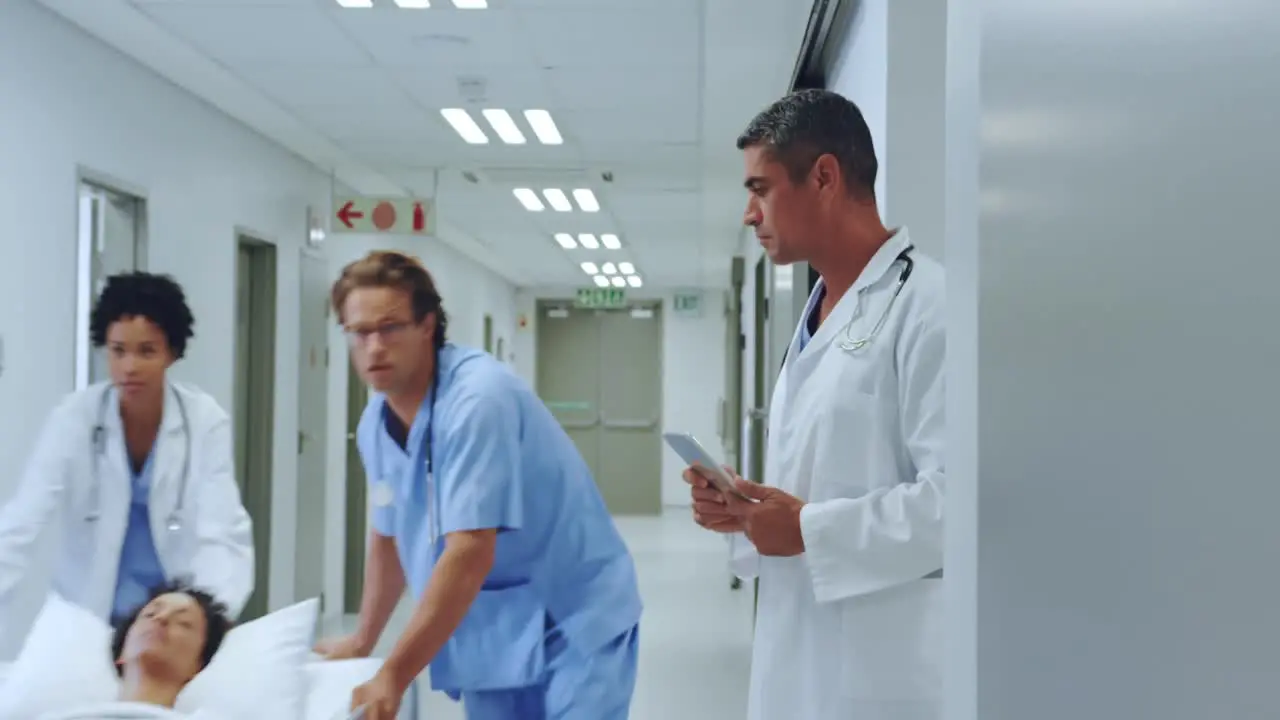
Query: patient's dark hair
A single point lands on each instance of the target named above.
(216, 616)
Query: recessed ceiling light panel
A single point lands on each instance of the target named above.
(626, 268)
(609, 269)
(617, 281)
(529, 199)
(634, 281)
(566, 241)
(557, 200)
(413, 4)
(586, 200)
(610, 241)
(543, 126)
(601, 281)
(471, 4)
(590, 268)
(465, 126)
(588, 241)
(355, 3)
(504, 126)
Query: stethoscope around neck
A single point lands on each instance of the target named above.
(174, 521)
(851, 344)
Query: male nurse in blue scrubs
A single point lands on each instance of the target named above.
(527, 603)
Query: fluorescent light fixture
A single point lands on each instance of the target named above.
(601, 281)
(557, 200)
(588, 241)
(413, 4)
(609, 269)
(626, 268)
(610, 241)
(586, 200)
(590, 268)
(566, 241)
(466, 127)
(471, 4)
(634, 281)
(504, 126)
(543, 126)
(529, 199)
(356, 3)
(617, 281)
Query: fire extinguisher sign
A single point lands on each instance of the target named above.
(370, 215)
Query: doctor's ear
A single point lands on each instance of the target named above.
(825, 172)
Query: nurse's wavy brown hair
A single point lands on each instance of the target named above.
(389, 269)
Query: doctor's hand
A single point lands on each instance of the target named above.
(340, 648)
(772, 522)
(380, 698)
(709, 508)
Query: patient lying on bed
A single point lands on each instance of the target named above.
(166, 642)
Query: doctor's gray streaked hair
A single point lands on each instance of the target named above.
(389, 269)
(807, 124)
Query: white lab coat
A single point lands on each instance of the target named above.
(213, 546)
(852, 629)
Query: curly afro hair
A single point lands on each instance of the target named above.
(158, 298)
(216, 616)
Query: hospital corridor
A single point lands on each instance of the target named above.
(639, 360)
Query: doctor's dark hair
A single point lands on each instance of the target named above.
(807, 124)
(217, 620)
(387, 269)
(158, 298)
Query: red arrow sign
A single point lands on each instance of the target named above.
(346, 215)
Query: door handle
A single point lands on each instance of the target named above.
(630, 424)
(580, 424)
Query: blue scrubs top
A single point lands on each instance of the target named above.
(140, 569)
(501, 461)
(812, 314)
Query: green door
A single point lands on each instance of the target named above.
(600, 374)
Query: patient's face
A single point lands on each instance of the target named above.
(167, 638)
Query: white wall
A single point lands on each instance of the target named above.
(693, 371)
(71, 103)
(469, 292)
(890, 59)
(1117, 492)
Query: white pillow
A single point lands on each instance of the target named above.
(332, 682)
(259, 672)
(65, 662)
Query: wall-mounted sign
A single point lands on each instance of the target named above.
(687, 304)
(374, 215)
(601, 298)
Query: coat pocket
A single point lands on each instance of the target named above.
(893, 644)
(500, 644)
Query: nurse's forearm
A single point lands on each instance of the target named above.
(383, 586)
(455, 582)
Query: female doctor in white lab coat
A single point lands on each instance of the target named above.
(133, 475)
(847, 538)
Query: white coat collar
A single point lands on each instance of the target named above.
(876, 269)
(171, 420)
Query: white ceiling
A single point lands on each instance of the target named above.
(653, 91)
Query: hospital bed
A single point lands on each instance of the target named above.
(331, 686)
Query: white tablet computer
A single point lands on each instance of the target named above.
(692, 452)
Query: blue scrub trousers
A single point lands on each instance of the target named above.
(593, 686)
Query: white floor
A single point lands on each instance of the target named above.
(695, 637)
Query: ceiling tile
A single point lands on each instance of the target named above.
(252, 34)
(581, 38)
(611, 86)
(648, 126)
(438, 39)
(401, 123)
(358, 88)
(638, 207)
(515, 87)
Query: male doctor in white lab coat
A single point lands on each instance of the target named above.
(846, 539)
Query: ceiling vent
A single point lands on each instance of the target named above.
(473, 89)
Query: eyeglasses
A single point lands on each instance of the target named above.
(389, 332)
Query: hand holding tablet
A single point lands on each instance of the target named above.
(692, 452)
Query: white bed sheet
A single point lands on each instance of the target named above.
(125, 711)
(332, 683)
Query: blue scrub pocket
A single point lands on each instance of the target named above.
(500, 644)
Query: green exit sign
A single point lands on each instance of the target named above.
(602, 298)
